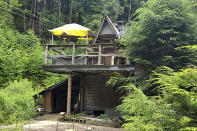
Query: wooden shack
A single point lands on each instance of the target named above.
(94, 67)
(54, 98)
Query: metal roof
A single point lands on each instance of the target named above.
(107, 28)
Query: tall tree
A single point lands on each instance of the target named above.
(159, 30)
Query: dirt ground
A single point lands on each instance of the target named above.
(50, 122)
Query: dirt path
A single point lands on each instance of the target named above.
(50, 122)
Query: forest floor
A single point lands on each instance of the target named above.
(50, 122)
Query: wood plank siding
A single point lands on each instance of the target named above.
(47, 102)
(97, 96)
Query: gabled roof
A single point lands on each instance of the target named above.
(107, 31)
(62, 84)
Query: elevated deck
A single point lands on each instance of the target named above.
(86, 68)
(85, 58)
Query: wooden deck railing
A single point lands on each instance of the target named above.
(98, 55)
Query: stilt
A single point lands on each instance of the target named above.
(69, 94)
(81, 92)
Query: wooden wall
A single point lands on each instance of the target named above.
(47, 102)
(59, 98)
(98, 97)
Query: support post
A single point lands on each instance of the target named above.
(87, 39)
(86, 60)
(73, 54)
(81, 91)
(46, 55)
(52, 44)
(69, 93)
(112, 60)
(52, 39)
(100, 53)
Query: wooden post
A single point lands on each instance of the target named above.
(46, 55)
(69, 93)
(112, 60)
(100, 52)
(87, 38)
(86, 60)
(73, 54)
(81, 91)
(52, 39)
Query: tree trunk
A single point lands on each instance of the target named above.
(35, 4)
(129, 17)
(71, 11)
(117, 7)
(59, 6)
(45, 5)
(24, 26)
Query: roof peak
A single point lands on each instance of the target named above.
(107, 31)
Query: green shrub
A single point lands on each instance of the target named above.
(16, 102)
(178, 89)
(142, 113)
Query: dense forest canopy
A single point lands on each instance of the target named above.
(161, 35)
(47, 14)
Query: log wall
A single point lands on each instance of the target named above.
(98, 97)
(47, 102)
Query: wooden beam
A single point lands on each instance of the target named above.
(83, 45)
(115, 55)
(69, 93)
(46, 55)
(73, 54)
(85, 68)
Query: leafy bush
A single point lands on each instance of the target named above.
(22, 56)
(179, 89)
(173, 107)
(118, 82)
(16, 102)
(143, 113)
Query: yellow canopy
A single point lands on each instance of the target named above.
(72, 30)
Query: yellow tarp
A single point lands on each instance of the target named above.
(71, 30)
(89, 38)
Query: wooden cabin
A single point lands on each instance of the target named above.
(54, 98)
(93, 64)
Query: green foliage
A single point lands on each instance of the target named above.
(53, 79)
(143, 113)
(180, 90)
(119, 83)
(173, 106)
(21, 56)
(6, 18)
(16, 102)
(161, 26)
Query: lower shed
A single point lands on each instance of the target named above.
(96, 96)
(89, 93)
(54, 98)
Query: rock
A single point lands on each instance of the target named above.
(70, 130)
(62, 113)
(92, 116)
